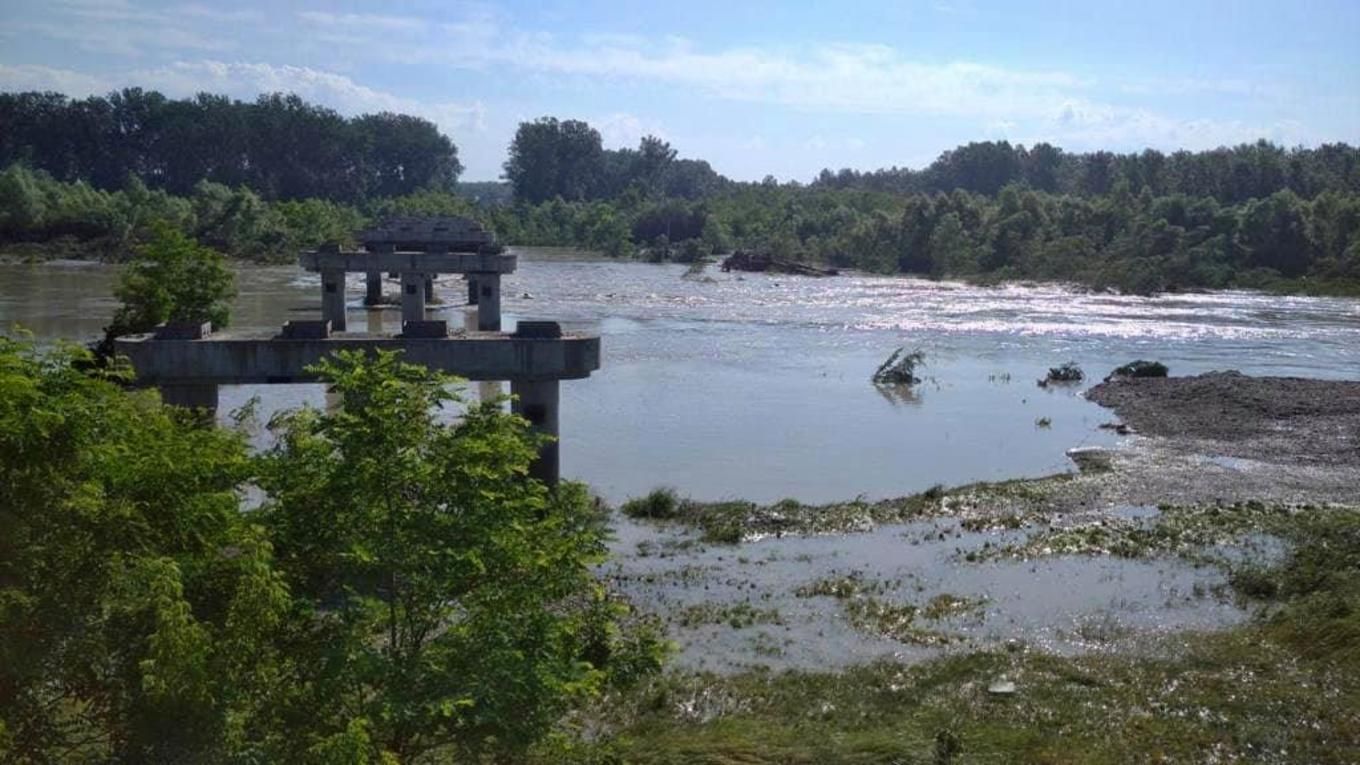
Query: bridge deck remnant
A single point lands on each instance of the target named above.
(188, 371)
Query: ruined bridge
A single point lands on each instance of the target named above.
(188, 363)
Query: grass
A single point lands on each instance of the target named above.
(735, 521)
(1284, 688)
(735, 615)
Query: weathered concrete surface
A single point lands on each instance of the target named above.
(237, 358)
(399, 262)
(452, 232)
(538, 402)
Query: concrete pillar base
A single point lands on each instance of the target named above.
(538, 401)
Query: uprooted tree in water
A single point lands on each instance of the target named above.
(900, 368)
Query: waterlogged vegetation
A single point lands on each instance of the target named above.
(1201, 532)
(1282, 688)
(976, 505)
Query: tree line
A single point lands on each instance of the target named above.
(279, 146)
(1256, 215)
(1228, 175)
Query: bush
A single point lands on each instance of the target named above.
(659, 504)
(173, 278)
(1066, 373)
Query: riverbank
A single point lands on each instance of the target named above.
(117, 251)
(1193, 595)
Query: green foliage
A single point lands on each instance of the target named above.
(659, 504)
(403, 593)
(173, 278)
(1067, 372)
(279, 145)
(138, 606)
(447, 589)
(1254, 216)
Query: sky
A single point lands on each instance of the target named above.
(755, 88)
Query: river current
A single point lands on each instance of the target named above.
(757, 386)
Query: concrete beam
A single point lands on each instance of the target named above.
(420, 262)
(231, 358)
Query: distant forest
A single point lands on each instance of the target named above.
(262, 179)
(278, 145)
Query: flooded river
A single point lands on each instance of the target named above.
(757, 386)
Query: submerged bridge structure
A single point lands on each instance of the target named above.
(187, 364)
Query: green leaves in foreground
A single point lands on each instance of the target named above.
(402, 593)
(441, 587)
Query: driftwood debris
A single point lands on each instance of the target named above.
(744, 260)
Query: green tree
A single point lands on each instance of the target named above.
(549, 158)
(138, 606)
(445, 591)
(172, 278)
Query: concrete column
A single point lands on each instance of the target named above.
(373, 288)
(192, 396)
(472, 289)
(412, 296)
(537, 401)
(333, 298)
(487, 390)
(489, 302)
(429, 290)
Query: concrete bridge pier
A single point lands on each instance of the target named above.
(412, 296)
(489, 302)
(373, 288)
(538, 401)
(487, 390)
(429, 289)
(190, 395)
(472, 288)
(333, 298)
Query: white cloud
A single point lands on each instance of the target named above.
(31, 77)
(247, 80)
(623, 130)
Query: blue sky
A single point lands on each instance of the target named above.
(753, 87)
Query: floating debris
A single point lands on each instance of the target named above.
(900, 368)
